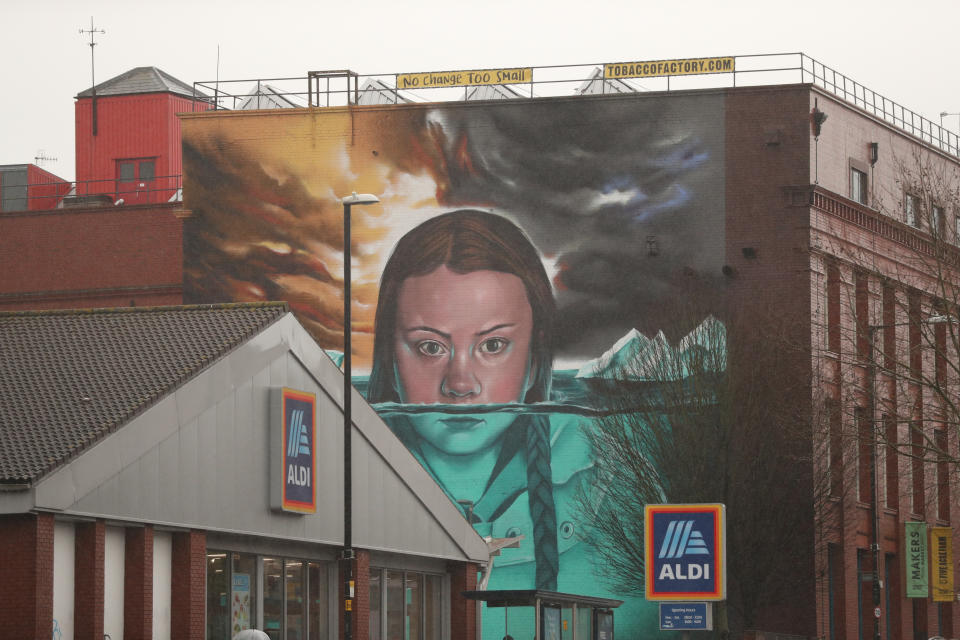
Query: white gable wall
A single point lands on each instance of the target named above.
(200, 459)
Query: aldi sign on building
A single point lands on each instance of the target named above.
(293, 455)
(685, 548)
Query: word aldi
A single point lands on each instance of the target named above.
(685, 549)
(293, 455)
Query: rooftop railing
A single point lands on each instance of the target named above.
(344, 87)
(43, 196)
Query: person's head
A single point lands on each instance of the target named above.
(465, 315)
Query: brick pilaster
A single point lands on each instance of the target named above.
(463, 612)
(188, 578)
(26, 589)
(88, 581)
(138, 584)
(360, 566)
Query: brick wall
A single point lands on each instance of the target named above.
(188, 580)
(97, 257)
(360, 567)
(463, 612)
(26, 587)
(138, 584)
(88, 581)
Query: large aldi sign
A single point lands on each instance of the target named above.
(293, 454)
(685, 547)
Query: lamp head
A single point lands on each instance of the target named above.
(360, 198)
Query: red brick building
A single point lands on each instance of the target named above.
(832, 222)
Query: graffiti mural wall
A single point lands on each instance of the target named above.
(521, 251)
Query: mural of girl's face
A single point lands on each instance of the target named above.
(463, 339)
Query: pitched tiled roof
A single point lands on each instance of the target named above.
(142, 80)
(68, 378)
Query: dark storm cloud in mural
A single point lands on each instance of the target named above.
(627, 197)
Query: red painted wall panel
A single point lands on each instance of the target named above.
(45, 189)
(139, 126)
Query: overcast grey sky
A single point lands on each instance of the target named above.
(906, 51)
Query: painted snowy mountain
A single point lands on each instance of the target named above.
(636, 357)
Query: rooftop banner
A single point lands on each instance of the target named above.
(434, 79)
(654, 68)
(915, 535)
(941, 570)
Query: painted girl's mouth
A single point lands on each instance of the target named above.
(462, 423)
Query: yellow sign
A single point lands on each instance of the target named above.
(686, 67)
(433, 79)
(941, 567)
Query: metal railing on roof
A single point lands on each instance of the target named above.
(44, 196)
(344, 87)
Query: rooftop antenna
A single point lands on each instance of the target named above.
(93, 81)
(42, 158)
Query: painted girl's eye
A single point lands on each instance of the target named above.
(431, 348)
(493, 345)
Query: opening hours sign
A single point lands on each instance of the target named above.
(685, 549)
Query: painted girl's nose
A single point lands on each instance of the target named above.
(459, 381)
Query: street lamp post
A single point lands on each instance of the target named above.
(944, 114)
(348, 555)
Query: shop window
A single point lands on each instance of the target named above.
(376, 611)
(231, 593)
(295, 596)
(405, 605)
(319, 610)
(295, 601)
(858, 186)
(273, 598)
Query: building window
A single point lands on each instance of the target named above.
(917, 446)
(892, 462)
(864, 455)
(862, 310)
(956, 230)
(836, 448)
(136, 171)
(858, 186)
(414, 605)
(943, 476)
(912, 208)
(936, 221)
(833, 308)
(147, 169)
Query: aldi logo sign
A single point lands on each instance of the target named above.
(685, 549)
(293, 453)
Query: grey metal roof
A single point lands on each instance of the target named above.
(142, 80)
(69, 378)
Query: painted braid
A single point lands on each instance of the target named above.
(543, 512)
